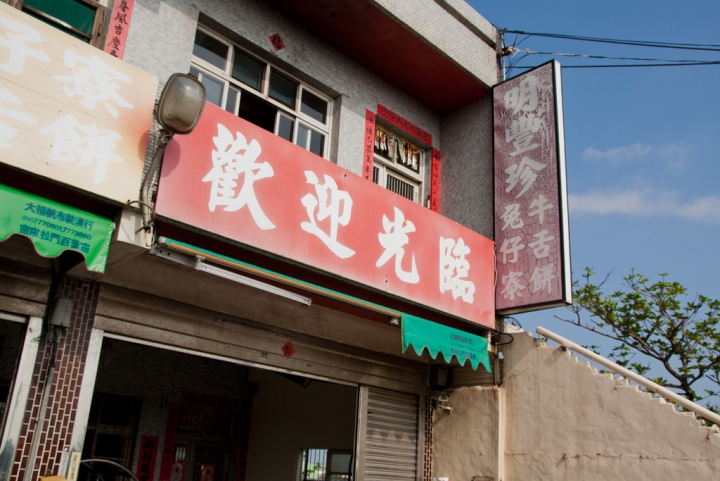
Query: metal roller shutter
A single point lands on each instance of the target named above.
(391, 439)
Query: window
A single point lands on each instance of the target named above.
(260, 93)
(111, 432)
(82, 19)
(398, 164)
(325, 465)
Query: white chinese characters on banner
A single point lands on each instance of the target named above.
(18, 36)
(512, 217)
(234, 157)
(393, 240)
(93, 81)
(331, 203)
(542, 278)
(528, 222)
(72, 142)
(511, 247)
(525, 172)
(512, 285)
(83, 145)
(454, 269)
(538, 207)
(7, 132)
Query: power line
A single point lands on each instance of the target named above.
(627, 65)
(579, 55)
(639, 43)
(641, 65)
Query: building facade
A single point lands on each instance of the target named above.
(333, 207)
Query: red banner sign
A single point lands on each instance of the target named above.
(168, 465)
(435, 181)
(369, 145)
(531, 227)
(404, 124)
(119, 26)
(235, 179)
(146, 458)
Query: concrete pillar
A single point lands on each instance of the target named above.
(52, 406)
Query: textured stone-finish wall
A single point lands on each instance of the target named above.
(567, 421)
(430, 21)
(249, 23)
(70, 353)
(466, 167)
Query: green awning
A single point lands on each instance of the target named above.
(434, 337)
(417, 331)
(53, 227)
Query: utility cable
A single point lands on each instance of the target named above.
(639, 43)
(578, 55)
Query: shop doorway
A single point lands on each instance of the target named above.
(12, 335)
(176, 416)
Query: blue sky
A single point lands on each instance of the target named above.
(642, 144)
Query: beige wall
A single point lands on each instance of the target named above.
(565, 421)
(288, 418)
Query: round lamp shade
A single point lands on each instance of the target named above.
(181, 104)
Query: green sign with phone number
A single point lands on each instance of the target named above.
(53, 227)
(423, 334)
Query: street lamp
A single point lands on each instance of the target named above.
(178, 112)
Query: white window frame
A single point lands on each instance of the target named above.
(403, 173)
(225, 76)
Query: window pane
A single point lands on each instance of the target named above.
(257, 111)
(302, 135)
(247, 70)
(317, 143)
(231, 100)
(78, 14)
(285, 128)
(282, 89)
(313, 106)
(400, 187)
(110, 445)
(210, 49)
(213, 88)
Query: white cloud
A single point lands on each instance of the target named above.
(646, 202)
(618, 153)
(675, 154)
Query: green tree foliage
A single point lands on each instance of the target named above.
(657, 321)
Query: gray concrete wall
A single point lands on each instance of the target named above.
(161, 38)
(565, 420)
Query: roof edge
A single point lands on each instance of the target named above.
(471, 19)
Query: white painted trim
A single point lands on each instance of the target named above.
(9, 316)
(226, 359)
(86, 392)
(562, 178)
(21, 389)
